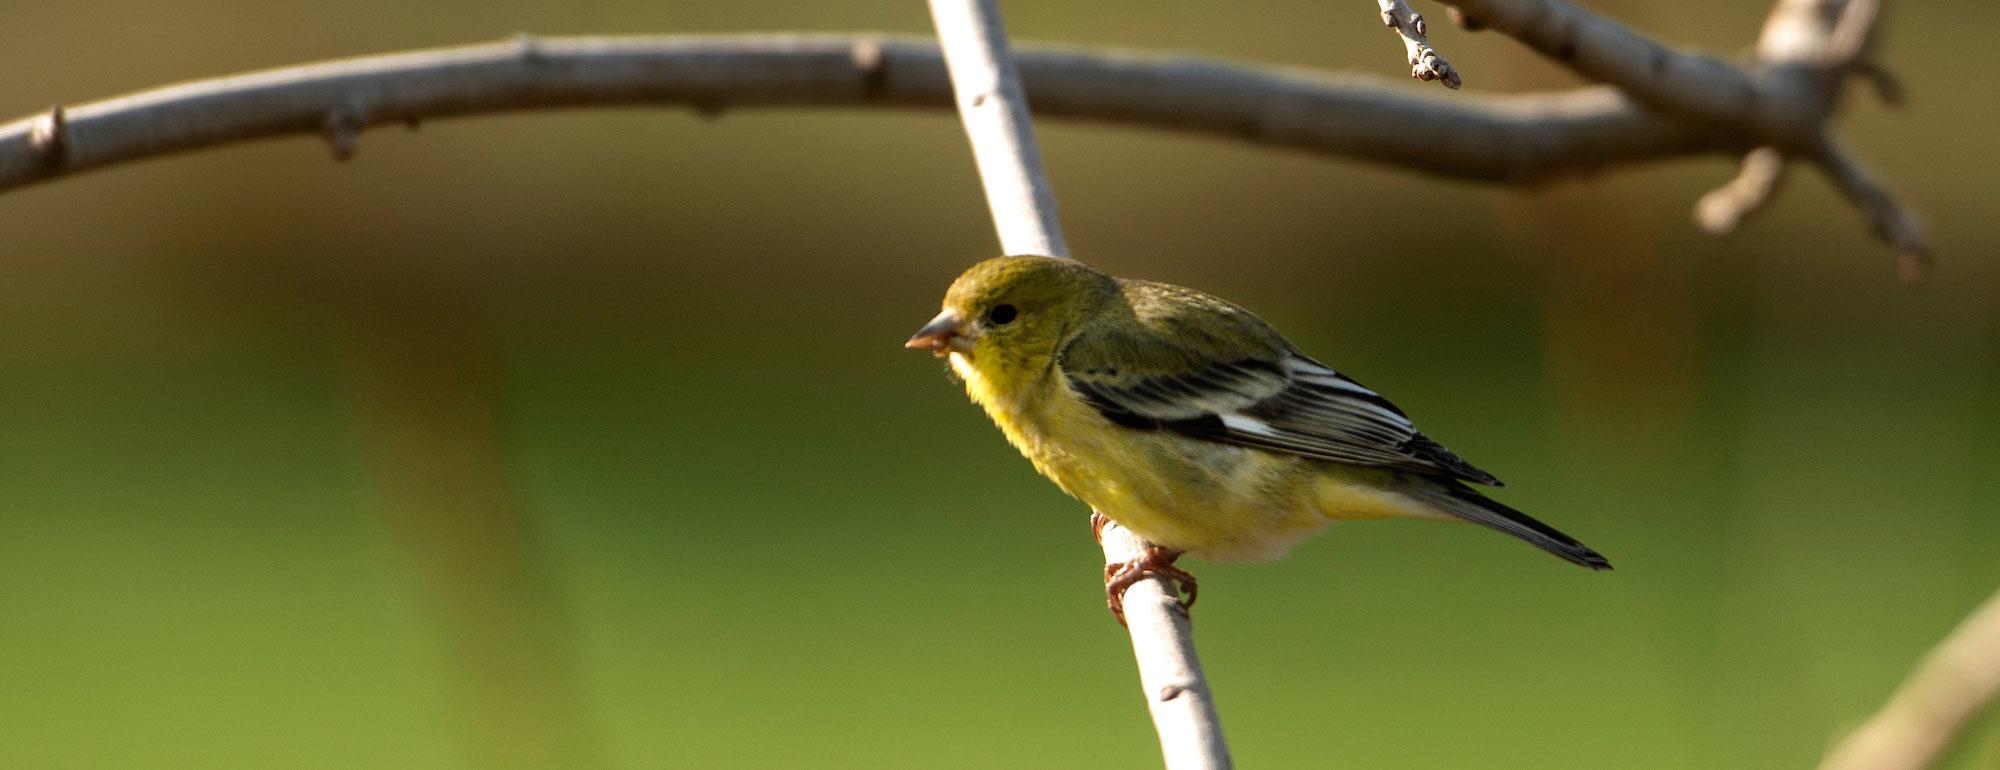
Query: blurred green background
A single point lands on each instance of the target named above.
(585, 440)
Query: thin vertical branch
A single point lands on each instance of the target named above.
(1170, 673)
(988, 91)
(990, 102)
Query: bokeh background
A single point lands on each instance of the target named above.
(584, 440)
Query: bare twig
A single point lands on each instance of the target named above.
(1894, 224)
(1954, 684)
(1812, 45)
(1887, 86)
(1850, 49)
(995, 113)
(1853, 32)
(1425, 62)
(1722, 209)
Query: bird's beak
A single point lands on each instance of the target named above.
(940, 336)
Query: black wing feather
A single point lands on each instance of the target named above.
(1296, 405)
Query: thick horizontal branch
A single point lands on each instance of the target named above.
(1648, 111)
(1517, 139)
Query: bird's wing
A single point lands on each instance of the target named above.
(1226, 376)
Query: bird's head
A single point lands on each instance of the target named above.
(1013, 312)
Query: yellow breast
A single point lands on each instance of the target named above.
(1214, 501)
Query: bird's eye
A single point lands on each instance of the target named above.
(1001, 315)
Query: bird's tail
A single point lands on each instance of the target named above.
(1467, 504)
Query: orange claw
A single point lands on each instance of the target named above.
(1156, 562)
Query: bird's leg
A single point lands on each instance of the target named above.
(1155, 562)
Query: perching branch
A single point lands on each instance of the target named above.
(1425, 62)
(987, 90)
(995, 113)
(1953, 685)
(1170, 673)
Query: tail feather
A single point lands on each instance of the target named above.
(1472, 506)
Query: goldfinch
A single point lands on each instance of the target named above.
(1191, 422)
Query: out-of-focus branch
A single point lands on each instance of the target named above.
(1850, 48)
(1425, 62)
(1853, 32)
(1722, 209)
(1685, 84)
(995, 113)
(1891, 221)
(1953, 685)
(1783, 100)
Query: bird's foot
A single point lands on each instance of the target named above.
(1155, 562)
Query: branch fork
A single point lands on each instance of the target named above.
(1776, 109)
